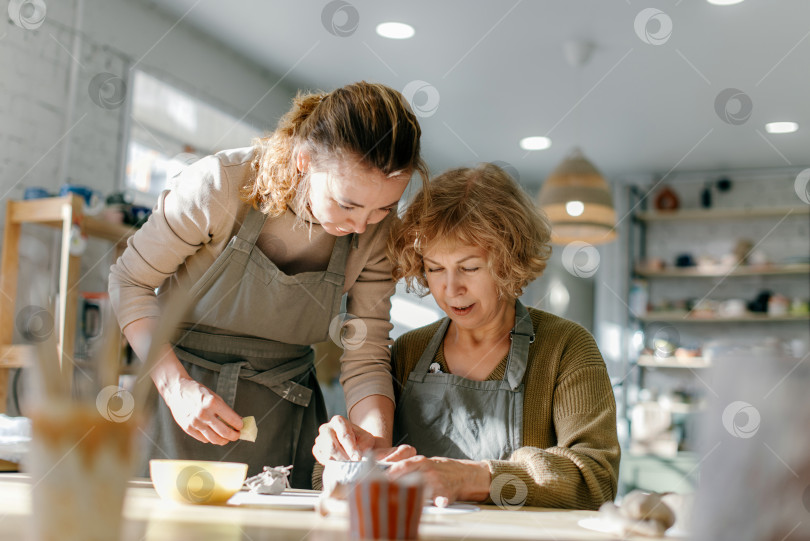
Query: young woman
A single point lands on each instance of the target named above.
(266, 240)
(500, 400)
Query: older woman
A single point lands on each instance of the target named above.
(496, 395)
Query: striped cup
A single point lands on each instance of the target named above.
(382, 509)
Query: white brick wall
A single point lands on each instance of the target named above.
(115, 35)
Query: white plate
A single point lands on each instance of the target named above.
(598, 524)
(454, 509)
(287, 500)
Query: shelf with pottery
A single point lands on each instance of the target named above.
(60, 213)
(683, 316)
(722, 271)
(721, 213)
(655, 239)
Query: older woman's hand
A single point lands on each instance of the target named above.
(447, 480)
(340, 439)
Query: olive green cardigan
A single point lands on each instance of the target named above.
(570, 454)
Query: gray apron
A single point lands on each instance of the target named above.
(455, 417)
(248, 339)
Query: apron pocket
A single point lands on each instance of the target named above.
(260, 268)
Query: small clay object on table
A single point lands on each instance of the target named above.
(270, 480)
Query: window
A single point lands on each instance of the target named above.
(409, 311)
(170, 129)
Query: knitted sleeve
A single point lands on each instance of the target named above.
(581, 470)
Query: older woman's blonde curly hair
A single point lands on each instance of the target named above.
(482, 207)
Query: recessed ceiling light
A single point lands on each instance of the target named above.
(724, 2)
(781, 127)
(535, 143)
(395, 30)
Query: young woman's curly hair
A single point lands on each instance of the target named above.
(480, 206)
(363, 120)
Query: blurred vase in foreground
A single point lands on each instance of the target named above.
(79, 464)
(755, 457)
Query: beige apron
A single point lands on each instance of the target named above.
(248, 339)
(455, 417)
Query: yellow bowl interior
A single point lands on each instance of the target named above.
(199, 482)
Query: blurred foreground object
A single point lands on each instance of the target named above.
(755, 480)
(641, 513)
(383, 509)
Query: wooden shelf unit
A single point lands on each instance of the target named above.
(721, 214)
(60, 213)
(650, 361)
(677, 370)
(722, 272)
(684, 317)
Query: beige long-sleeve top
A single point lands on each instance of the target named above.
(195, 219)
(570, 454)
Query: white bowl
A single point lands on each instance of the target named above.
(347, 472)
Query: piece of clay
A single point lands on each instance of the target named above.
(270, 480)
(639, 505)
(249, 429)
(622, 525)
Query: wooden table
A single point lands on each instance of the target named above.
(150, 519)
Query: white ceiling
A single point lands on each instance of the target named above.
(500, 74)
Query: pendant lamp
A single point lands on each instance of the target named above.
(577, 199)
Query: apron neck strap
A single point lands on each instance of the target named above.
(430, 351)
(340, 253)
(521, 336)
(254, 222)
(252, 225)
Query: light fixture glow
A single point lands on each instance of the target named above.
(578, 202)
(395, 30)
(781, 127)
(535, 143)
(574, 208)
(724, 2)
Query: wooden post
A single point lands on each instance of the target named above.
(8, 292)
(69, 271)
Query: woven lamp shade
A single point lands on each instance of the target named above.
(576, 179)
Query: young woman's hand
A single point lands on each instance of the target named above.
(201, 413)
(447, 480)
(340, 439)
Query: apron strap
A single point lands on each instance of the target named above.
(252, 225)
(246, 346)
(278, 379)
(421, 369)
(227, 381)
(340, 253)
(521, 336)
